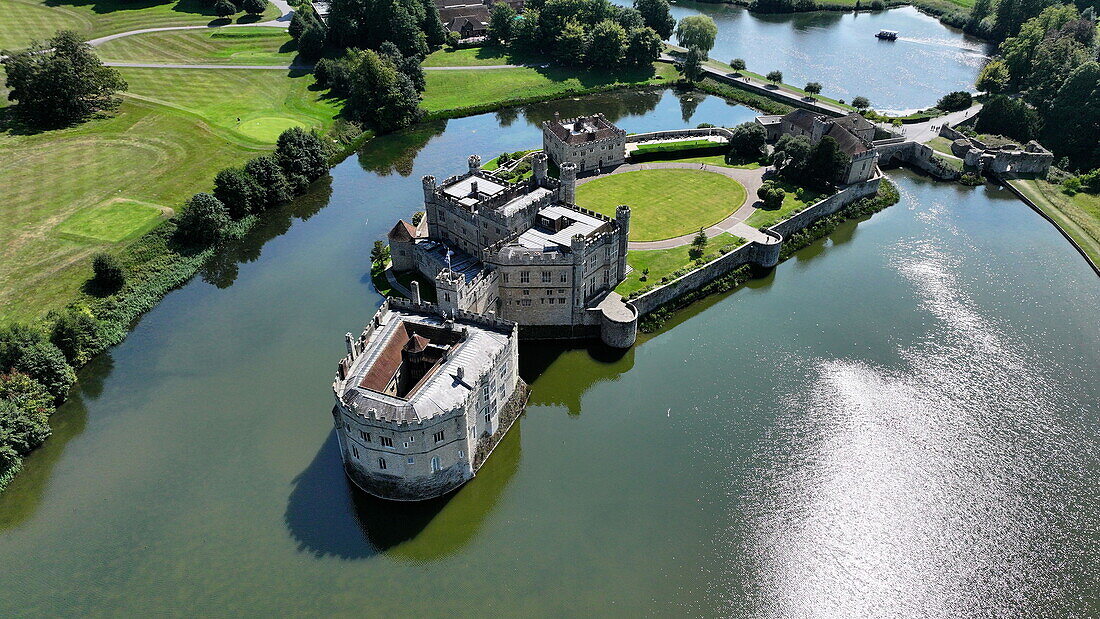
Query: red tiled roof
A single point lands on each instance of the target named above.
(402, 231)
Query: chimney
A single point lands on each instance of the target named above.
(416, 292)
(349, 342)
(473, 188)
(460, 372)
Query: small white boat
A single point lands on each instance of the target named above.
(888, 35)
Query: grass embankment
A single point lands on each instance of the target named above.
(259, 45)
(795, 201)
(28, 20)
(1077, 215)
(462, 93)
(474, 57)
(664, 262)
(668, 147)
(664, 203)
(96, 186)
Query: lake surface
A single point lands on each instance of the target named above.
(840, 51)
(900, 420)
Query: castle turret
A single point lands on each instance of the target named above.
(568, 192)
(539, 167)
(449, 288)
(474, 161)
(622, 216)
(580, 292)
(429, 187)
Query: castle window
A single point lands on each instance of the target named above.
(438, 436)
(382, 463)
(446, 296)
(561, 290)
(386, 441)
(527, 303)
(549, 291)
(524, 277)
(365, 435)
(526, 291)
(489, 418)
(546, 277)
(564, 277)
(436, 467)
(461, 455)
(411, 460)
(355, 452)
(505, 276)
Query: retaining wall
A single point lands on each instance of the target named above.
(828, 206)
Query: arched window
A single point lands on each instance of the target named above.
(435, 465)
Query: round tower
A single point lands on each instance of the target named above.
(429, 187)
(474, 161)
(568, 192)
(539, 167)
(622, 216)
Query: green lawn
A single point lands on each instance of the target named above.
(675, 146)
(714, 160)
(259, 45)
(27, 20)
(662, 262)
(113, 221)
(664, 203)
(256, 104)
(796, 200)
(940, 145)
(471, 57)
(447, 90)
(1078, 215)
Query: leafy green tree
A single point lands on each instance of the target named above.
(26, 393)
(693, 64)
(790, 155)
(413, 25)
(644, 47)
(738, 64)
(994, 77)
(813, 88)
(698, 31)
(571, 45)
(301, 153)
(25, 350)
(1073, 121)
(298, 23)
(527, 33)
(1010, 117)
(608, 46)
(61, 82)
(657, 14)
(270, 181)
(108, 272)
(954, 101)
(381, 95)
(237, 191)
(20, 432)
(826, 162)
(861, 103)
(774, 76)
(76, 334)
(771, 195)
(748, 140)
(225, 9)
(501, 19)
(311, 43)
(407, 65)
(254, 7)
(1052, 64)
(380, 253)
(698, 245)
(203, 220)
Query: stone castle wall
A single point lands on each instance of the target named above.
(828, 206)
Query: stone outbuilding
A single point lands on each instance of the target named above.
(591, 143)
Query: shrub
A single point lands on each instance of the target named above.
(272, 184)
(861, 103)
(254, 7)
(237, 191)
(108, 271)
(203, 220)
(76, 334)
(20, 431)
(301, 153)
(738, 64)
(46, 364)
(224, 8)
(954, 101)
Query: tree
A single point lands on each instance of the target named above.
(108, 272)
(203, 220)
(501, 19)
(298, 23)
(237, 191)
(698, 245)
(25, 350)
(21, 430)
(61, 82)
(994, 77)
(413, 25)
(813, 88)
(608, 46)
(790, 155)
(861, 103)
(1073, 121)
(381, 95)
(748, 140)
(1010, 117)
(301, 153)
(698, 31)
(826, 162)
(271, 183)
(225, 9)
(693, 64)
(417, 217)
(954, 101)
(254, 7)
(775, 76)
(380, 253)
(527, 33)
(571, 44)
(644, 47)
(738, 64)
(771, 195)
(657, 14)
(311, 43)
(76, 334)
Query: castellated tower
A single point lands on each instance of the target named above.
(474, 161)
(622, 215)
(568, 193)
(429, 187)
(539, 167)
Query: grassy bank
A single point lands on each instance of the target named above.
(259, 45)
(662, 263)
(796, 200)
(1077, 215)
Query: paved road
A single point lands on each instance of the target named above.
(923, 132)
(751, 179)
(282, 21)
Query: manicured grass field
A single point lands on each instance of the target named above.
(1078, 215)
(259, 45)
(662, 262)
(714, 160)
(112, 221)
(940, 145)
(448, 90)
(658, 147)
(796, 200)
(664, 203)
(256, 104)
(471, 57)
(27, 20)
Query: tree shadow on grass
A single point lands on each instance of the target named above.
(594, 78)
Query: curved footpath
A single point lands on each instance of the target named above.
(734, 223)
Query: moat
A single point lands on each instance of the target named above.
(901, 419)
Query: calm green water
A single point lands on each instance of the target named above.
(901, 420)
(840, 51)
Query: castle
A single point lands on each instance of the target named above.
(853, 133)
(422, 397)
(592, 143)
